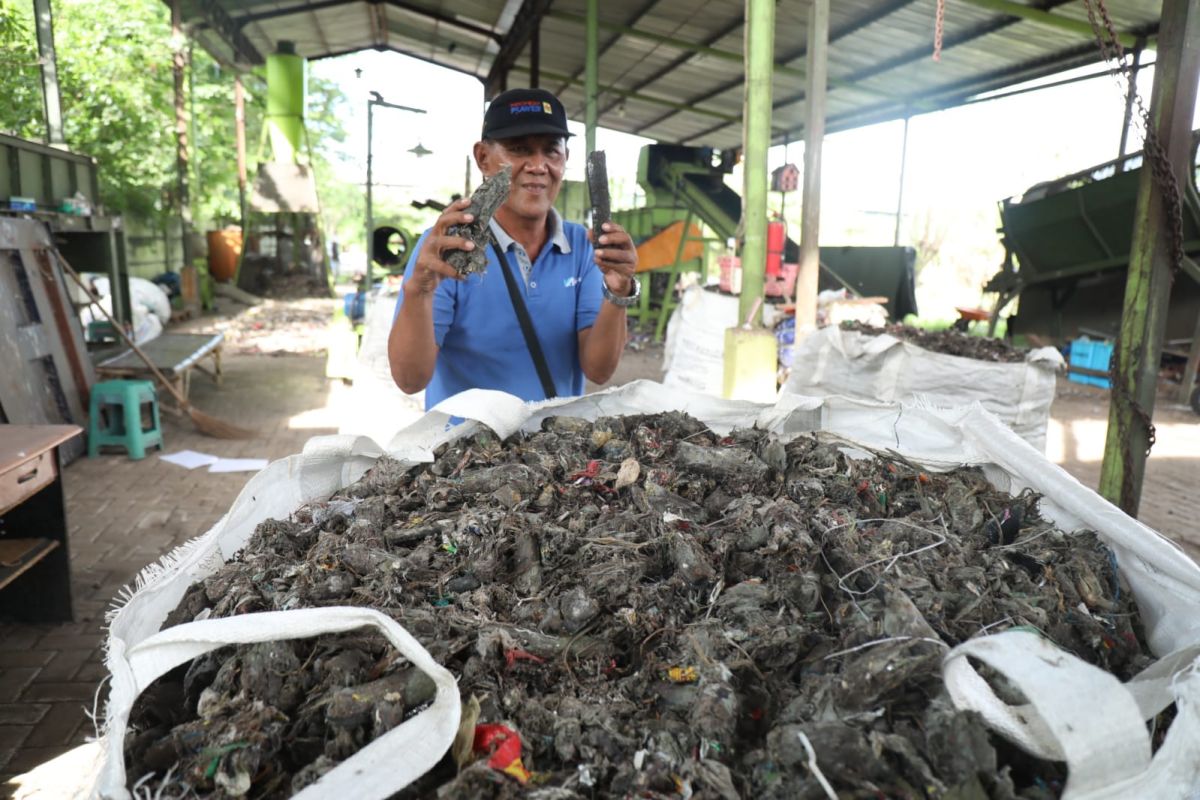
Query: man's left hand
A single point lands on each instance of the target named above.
(617, 259)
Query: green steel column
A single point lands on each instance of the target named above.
(239, 138)
(592, 73)
(900, 183)
(1132, 77)
(756, 138)
(1148, 285)
(182, 148)
(51, 98)
(814, 135)
(370, 183)
(1187, 386)
(285, 102)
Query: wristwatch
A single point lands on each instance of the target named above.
(623, 302)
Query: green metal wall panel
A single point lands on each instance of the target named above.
(46, 174)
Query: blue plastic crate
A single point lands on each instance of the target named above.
(1090, 354)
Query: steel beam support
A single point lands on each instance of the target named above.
(1191, 367)
(51, 98)
(182, 150)
(376, 99)
(591, 72)
(239, 136)
(954, 93)
(535, 56)
(756, 139)
(1148, 284)
(229, 30)
(612, 40)
(529, 15)
(787, 58)
(855, 82)
(566, 80)
(679, 61)
(287, 11)
(370, 232)
(671, 41)
(900, 183)
(446, 19)
(810, 210)
(1129, 95)
(312, 6)
(1046, 19)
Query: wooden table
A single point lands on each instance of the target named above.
(35, 574)
(175, 354)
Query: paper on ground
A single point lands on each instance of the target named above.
(190, 459)
(238, 465)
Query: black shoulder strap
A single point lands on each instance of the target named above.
(531, 340)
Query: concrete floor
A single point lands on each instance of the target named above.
(125, 514)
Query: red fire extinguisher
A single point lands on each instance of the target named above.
(776, 237)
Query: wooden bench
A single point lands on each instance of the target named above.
(35, 575)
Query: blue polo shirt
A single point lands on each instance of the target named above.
(479, 339)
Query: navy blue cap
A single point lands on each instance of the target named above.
(521, 112)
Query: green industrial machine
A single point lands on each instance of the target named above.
(688, 184)
(1067, 245)
(284, 236)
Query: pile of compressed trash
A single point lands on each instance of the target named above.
(639, 607)
(948, 341)
(277, 327)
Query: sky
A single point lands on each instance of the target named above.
(960, 163)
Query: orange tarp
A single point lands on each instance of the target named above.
(659, 250)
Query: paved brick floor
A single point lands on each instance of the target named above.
(125, 514)
(1171, 489)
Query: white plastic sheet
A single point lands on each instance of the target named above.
(1165, 581)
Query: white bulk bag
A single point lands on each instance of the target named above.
(1165, 581)
(832, 361)
(694, 353)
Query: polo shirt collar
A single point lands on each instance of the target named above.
(558, 237)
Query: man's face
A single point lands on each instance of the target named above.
(538, 162)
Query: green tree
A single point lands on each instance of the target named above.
(114, 64)
(20, 87)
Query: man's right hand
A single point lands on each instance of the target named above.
(431, 267)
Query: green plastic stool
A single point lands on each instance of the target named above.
(115, 417)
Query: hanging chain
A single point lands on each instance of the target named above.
(939, 24)
(1154, 155)
(1153, 152)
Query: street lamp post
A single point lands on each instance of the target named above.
(376, 100)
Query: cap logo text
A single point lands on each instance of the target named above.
(528, 107)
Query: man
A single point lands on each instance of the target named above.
(452, 335)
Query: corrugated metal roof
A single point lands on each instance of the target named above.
(671, 70)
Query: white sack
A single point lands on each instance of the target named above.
(144, 294)
(694, 353)
(150, 306)
(832, 361)
(1165, 581)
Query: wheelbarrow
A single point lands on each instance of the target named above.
(968, 315)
